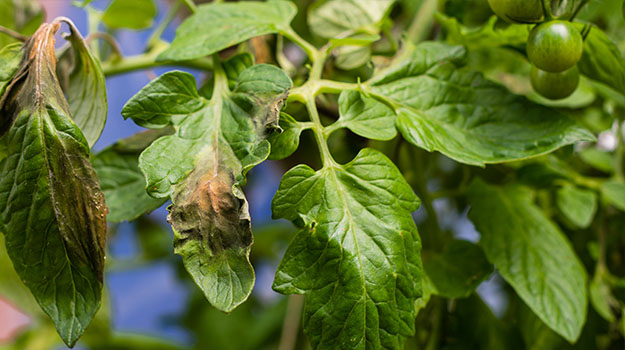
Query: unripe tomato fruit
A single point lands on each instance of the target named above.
(555, 86)
(518, 11)
(555, 46)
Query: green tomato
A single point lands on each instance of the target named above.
(555, 46)
(518, 11)
(555, 86)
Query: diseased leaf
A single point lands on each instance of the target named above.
(335, 17)
(613, 192)
(10, 57)
(82, 81)
(603, 61)
(203, 164)
(357, 256)
(284, 143)
(531, 254)
(121, 179)
(464, 116)
(51, 207)
(217, 26)
(135, 14)
(366, 116)
(578, 206)
(458, 270)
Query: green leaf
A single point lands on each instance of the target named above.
(221, 140)
(531, 254)
(22, 16)
(135, 14)
(121, 179)
(52, 209)
(598, 159)
(284, 143)
(352, 56)
(458, 270)
(464, 116)
(357, 256)
(10, 57)
(603, 61)
(601, 297)
(486, 36)
(335, 17)
(83, 83)
(613, 192)
(177, 98)
(366, 116)
(578, 206)
(217, 26)
(7, 18)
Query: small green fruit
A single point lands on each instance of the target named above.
(555, 46)
(555, 86)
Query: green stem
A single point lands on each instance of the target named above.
(192, 7)
(149, 60)
(221, 79)
(318, 129)
(94, 17)
(423, 21)
(13, 34)
(290, 327)
(547, 10)
(158, 32)
(579, 8)
(310, 50)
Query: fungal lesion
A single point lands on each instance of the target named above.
(211, 209)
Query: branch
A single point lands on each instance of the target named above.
(13, 34)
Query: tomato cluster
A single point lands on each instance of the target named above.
(554, 46)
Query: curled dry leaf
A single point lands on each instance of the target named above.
(52, 210)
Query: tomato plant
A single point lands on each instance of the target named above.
(450, 180)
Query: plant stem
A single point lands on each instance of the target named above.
(318, 129)
(13, 34)
(547, 10)
(310, 50)
(579, 8)
(156, 35)
(290, 327)
(418, 30)
(148, 60)
(191, 5)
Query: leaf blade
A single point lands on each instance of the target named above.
(220, 25)
(532, 255)
(342, 243)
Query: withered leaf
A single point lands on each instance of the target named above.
(52, 210)
(202, 166)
